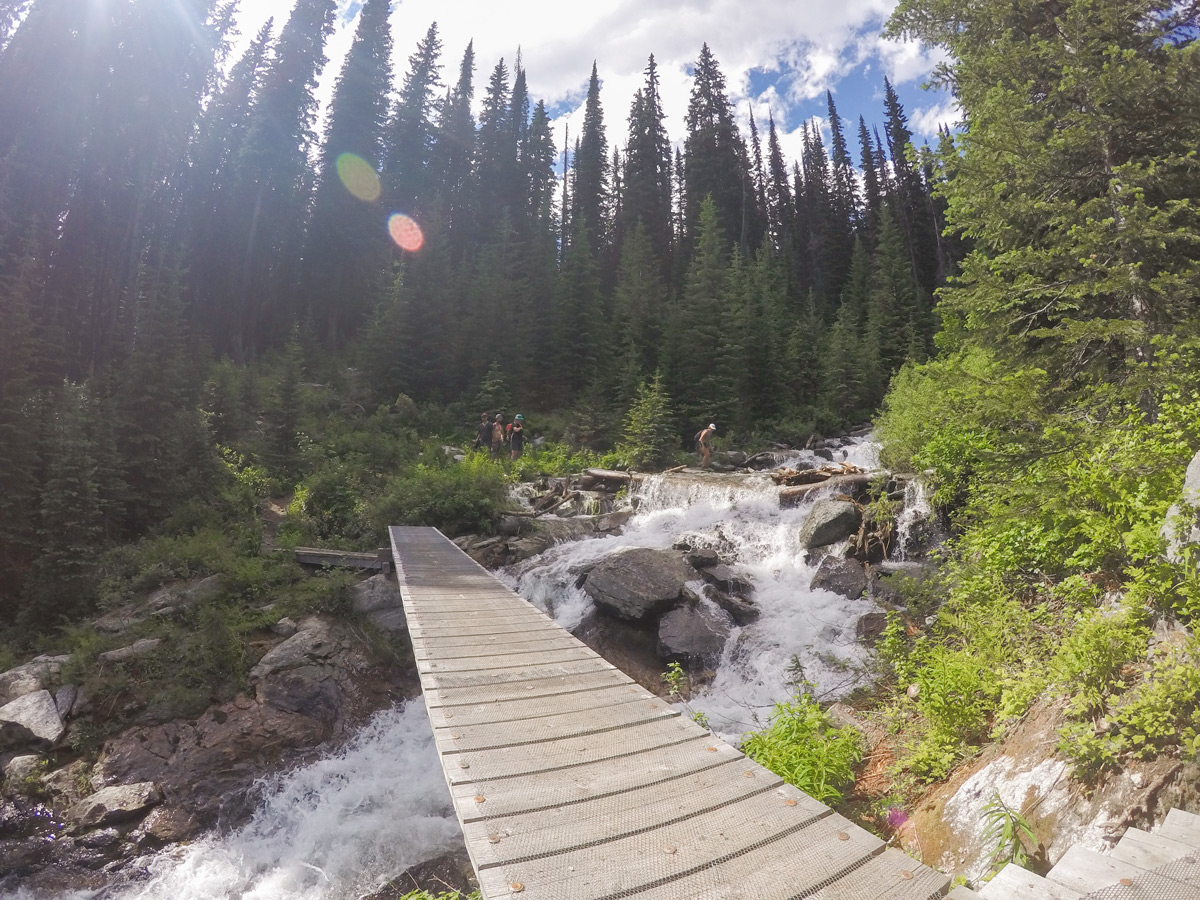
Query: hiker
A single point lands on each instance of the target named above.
(516, 437)
(498, 436)
(704, 439)
(484, 438)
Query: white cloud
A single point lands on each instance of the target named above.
(807, 44)
(926, 121)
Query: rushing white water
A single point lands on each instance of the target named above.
(337, 828)
(801, 633)
(916, 510)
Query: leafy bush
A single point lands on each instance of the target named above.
(458, 498)
(805, 748)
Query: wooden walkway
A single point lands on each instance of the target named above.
(574, 783)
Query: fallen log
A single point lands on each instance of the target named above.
(537, 513)
(604, 479)
(854, 485)
(792, 477)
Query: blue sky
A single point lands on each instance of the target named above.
(777, 55)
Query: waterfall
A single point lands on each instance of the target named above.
(801, 634)
(336, 828)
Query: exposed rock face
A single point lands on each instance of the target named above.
(65, 699)
(829, 521)
(703, 558)
(640, 582)
(21, 767)
(165, 825)
(187, 596)
(379, 599)
(111, 805)
(31, 719)
(696, 632)
(743, 610)
(869, 628)
(35, 675)
(727, 580)
(846, 577)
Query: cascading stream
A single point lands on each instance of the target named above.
(801, 635)
(334, 829)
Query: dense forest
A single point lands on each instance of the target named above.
(204, 304)
(171, 224)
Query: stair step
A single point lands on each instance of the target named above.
(963, 893)
(1149, 851)
(1181, 826)
(1014, 883)
(1086, 871)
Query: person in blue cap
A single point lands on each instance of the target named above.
(516, 437)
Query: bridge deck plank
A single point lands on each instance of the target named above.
(573, 781)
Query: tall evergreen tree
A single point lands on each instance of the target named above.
(591, 176)
(647, 194)
(412, 132)
(346, 246)
(497, 171)
(454, 156)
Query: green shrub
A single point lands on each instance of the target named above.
(457, 498)
(805, 748)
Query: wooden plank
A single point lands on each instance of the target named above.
(513, 840)
(510, 661)
(534, 731)
(467, 631)
(891, 875)
(677, 861)
(532, 689)
(565, 753)
(567, 789)
(346, 559)
(1015, 883)
(1181, 826)
(1087, 871)
(523, 708)
(1148, 851)
(527, 672)
(495, 647)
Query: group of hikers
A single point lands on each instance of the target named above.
(494, 435)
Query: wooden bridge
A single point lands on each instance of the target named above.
(574, 783)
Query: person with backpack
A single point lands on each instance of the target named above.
(483, 440)
(704, 442)
(516, 437)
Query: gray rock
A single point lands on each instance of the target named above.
(69, 783)
(165, 825)
(285, 627)
(1181, 527)
(846, 577)
(727, 580)
(829, 521)
(640, 582)
(701, 559)
(135, 650)
(32, 718)
(379, 599)
(743, 611)
(112, 805)
(870, 627)
(65, 698)
(21, 767)
(188, 595)
(314, 643)
(696, 631)
(36, 675)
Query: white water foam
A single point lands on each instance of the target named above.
(741, 518)
(337, 828)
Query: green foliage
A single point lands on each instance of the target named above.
(1009, 831)
(803, 747)
(649, 435)
(457, 498)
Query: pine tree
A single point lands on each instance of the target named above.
(647, 193)
(454, 157)
(1076, 178)
(591, 178)
(872, 190)
(649, 435)
(496, 154)
(346, 249)
(781, 210)
(716, 164)
(411, 134)
(640, 300)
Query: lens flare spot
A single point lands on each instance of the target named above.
(358, 177)
(405, 232)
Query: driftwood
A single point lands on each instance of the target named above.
(604, 479)
(790, 477)
(849, 484)
(537, 513)
(676, 469)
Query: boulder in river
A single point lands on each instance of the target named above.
(378, 598)
(696, 631)
(847, 577)
(111, 805)
(829, 521)
(638, 583)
